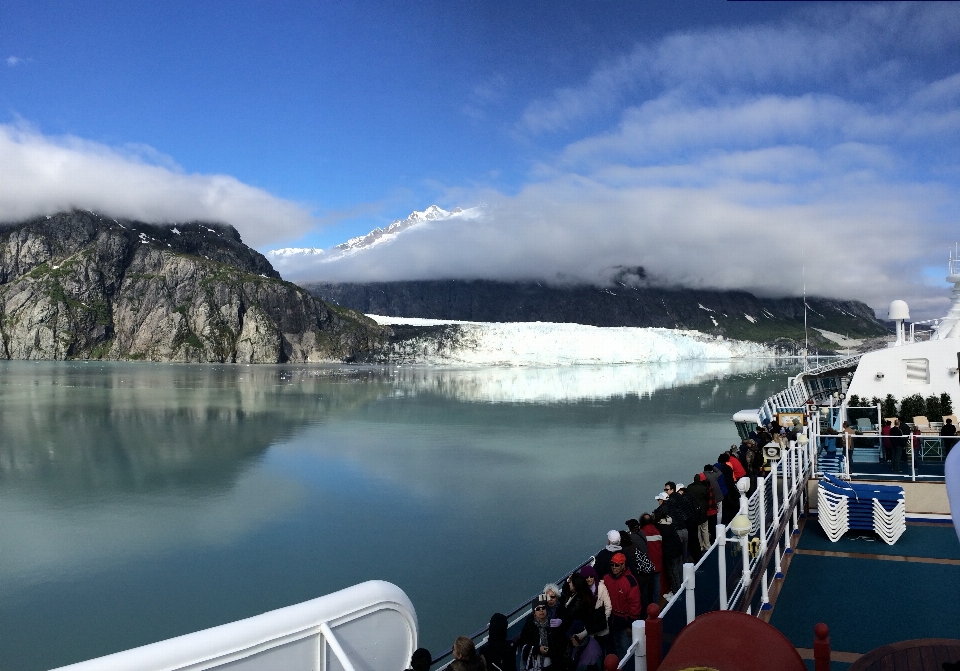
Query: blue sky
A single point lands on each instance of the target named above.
(674, 135)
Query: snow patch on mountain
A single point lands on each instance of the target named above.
(550, 344)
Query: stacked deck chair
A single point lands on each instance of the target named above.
(842, 506)
(831, 462)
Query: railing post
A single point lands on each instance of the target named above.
(335, 646)
(639, 645)
(690, 585)
(745, 577)
(794, 466)
(654, 635)
(786, 485)
(821, 647)
(722, 563)
(913, 459)
(762, 489)
(776, 516)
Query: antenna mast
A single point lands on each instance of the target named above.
(806, 338)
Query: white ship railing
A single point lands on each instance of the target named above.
(921, 449)
(774, 515)
(368, 627)
(803, 389)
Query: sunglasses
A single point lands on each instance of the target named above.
(540, 608)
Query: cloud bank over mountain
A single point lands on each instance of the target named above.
(44, 175)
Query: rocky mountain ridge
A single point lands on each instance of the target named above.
(77, 285)
(732, 314)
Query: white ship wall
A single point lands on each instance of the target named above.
(885, 371)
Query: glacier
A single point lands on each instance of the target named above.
(553, 344)
(566, 384)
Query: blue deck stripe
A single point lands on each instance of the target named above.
(936, 542)
(867, 602)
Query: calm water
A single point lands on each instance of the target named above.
(143, 501)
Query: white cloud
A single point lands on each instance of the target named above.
(13, 61)
(863, 47)
(865, 239)
(41, 175)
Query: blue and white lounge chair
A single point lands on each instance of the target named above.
(842, 506)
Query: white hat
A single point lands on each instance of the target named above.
(680, 485)
(662, 496)
(613, 537)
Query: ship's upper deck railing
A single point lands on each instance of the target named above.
(839, 364)
(806, 387)
(760, 540)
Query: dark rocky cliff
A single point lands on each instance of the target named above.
(734, 314)
(80, 286)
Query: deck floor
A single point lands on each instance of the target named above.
(869, 593)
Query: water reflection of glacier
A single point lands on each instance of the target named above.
(567, 383)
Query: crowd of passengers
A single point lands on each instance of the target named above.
(585, 623)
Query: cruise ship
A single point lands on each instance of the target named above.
(796, 581)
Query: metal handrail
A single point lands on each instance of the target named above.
(833, 365)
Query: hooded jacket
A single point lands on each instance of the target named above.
(654, 545)
(624, 599)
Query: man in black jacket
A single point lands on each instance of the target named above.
(897, 444)
(698, 517)
(672, 547)
(948, 430)
(699, 491)
(683, 514)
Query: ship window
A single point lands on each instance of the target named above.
(916, 371)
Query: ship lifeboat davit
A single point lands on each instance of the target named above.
(726, 640)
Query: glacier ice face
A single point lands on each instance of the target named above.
(549, 344)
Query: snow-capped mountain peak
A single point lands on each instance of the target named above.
(377, 236)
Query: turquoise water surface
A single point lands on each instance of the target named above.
(142, 501)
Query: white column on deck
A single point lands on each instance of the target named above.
(776, 512)
(762, 490)
(722, 563)
(639, 632)
(690, 586)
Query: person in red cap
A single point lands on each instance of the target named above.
(624, 593)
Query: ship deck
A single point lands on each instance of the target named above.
(869, 593)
